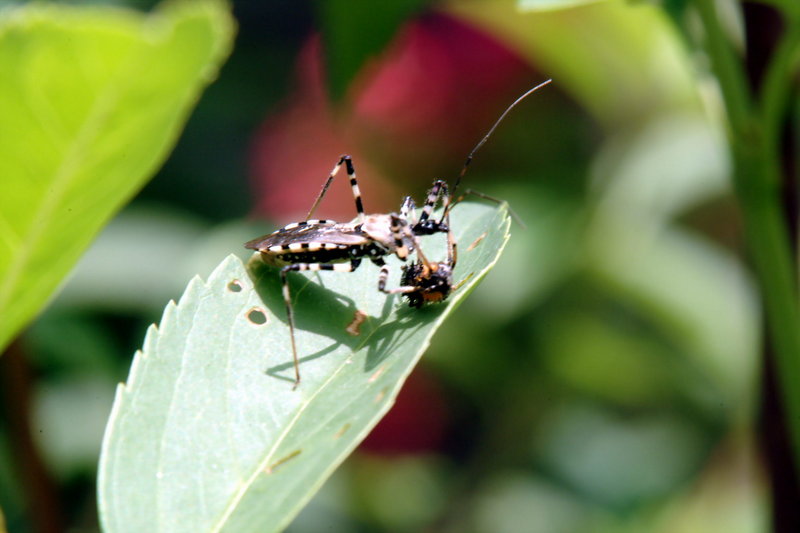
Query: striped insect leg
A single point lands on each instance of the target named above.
(384, 275)
(438, 191)
(351, 173)
(401, 233)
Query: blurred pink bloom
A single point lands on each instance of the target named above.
(416, 424)
(410, 115)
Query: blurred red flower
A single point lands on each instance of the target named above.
(410, 115)
(416, 424)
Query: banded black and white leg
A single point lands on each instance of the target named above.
(383, 278)
(287, 298)
(347, 161)
(439, 192)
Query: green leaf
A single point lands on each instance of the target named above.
(91, 102)
(601, 53)
(208, 435)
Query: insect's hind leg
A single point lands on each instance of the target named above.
(347, 161)
(287, 298)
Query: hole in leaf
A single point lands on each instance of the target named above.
(257, 316)
(235, 286)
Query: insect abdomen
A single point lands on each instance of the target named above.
(311, 252)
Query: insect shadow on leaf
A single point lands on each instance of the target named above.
(326, 312)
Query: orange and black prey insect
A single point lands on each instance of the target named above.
(425, 282)
(317, 245)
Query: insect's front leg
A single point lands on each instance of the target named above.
(401, 234)
(384, 275)
(426, 225)
(287, 298)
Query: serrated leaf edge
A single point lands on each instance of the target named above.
(150, 348)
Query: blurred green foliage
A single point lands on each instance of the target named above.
(604, 377)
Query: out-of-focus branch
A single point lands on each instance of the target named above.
(40, 494)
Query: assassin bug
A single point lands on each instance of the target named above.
(317, 245)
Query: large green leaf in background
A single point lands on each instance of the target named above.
(208, 435)
(91, 102)
(608, 55)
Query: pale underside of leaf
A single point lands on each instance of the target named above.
(208, 435)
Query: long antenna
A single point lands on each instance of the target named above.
(485, 138)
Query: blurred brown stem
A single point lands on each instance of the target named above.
(40, 493)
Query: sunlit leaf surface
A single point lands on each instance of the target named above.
(91, 102)
(207, 433)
